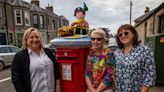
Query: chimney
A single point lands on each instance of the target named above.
(50, 8)
(36, 2)
(146, 9)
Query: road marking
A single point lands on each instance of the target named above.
(5, 79)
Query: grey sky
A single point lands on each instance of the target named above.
(102, 13)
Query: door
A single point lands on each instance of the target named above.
(2, 39)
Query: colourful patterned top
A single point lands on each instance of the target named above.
(100, 68)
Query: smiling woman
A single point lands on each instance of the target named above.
(135, 65)
(99, 74)
(34, 60)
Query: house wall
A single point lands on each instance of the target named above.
(141, 32)
(159, 13)
(149, 26)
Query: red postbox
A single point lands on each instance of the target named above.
(71, 55)
(72, 62)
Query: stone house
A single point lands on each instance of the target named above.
(17, 15)
(151, 23)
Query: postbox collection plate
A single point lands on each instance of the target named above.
(66, 72)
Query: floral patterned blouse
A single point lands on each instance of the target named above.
(99, 68)
(135, 69)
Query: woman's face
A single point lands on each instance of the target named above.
(97, 41)
(33, 40)
(126, 37)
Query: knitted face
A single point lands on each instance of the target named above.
(79, 15)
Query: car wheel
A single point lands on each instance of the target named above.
(1, 65)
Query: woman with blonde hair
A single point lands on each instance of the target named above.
(99, 75)
(34, 69)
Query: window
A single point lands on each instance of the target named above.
(27, 18)
(18, 17)
(41, 22)
(0, 11)
(53, 24)
(4, 50)
(14, 49)
(161, 24)
(47, 21)
(56, 24)
(35, 20)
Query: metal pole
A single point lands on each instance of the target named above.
(130, 11)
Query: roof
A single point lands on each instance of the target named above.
(39, 9)
(35, 8)
(50, 13)
(32, 7)
(18, 3)
(142, 18)
(63, 17)
(7, 1)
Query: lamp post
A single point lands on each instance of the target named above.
(130, 11)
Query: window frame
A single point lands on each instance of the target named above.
(16, 16)
(161, 23)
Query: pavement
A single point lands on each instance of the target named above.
(7, 86)
(157, 89)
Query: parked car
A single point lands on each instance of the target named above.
(112, 43)
(113, 47)
(7, 53)
(51, 47)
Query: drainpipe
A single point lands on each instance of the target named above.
(6, 24)
(15, 42)
(145, 33)
(153, 22)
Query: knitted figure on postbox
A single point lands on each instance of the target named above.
(80, 24)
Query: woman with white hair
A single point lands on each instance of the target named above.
(100, 64)
(34, 69)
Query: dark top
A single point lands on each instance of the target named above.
(21, 73)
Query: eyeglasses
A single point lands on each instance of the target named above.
(121, 34)
(98, 39)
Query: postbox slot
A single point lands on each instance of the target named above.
(66, 60)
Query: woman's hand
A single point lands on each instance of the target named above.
(58, 89)
(100, 87)
(144, 89)
(92, 49)
(92, 90)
